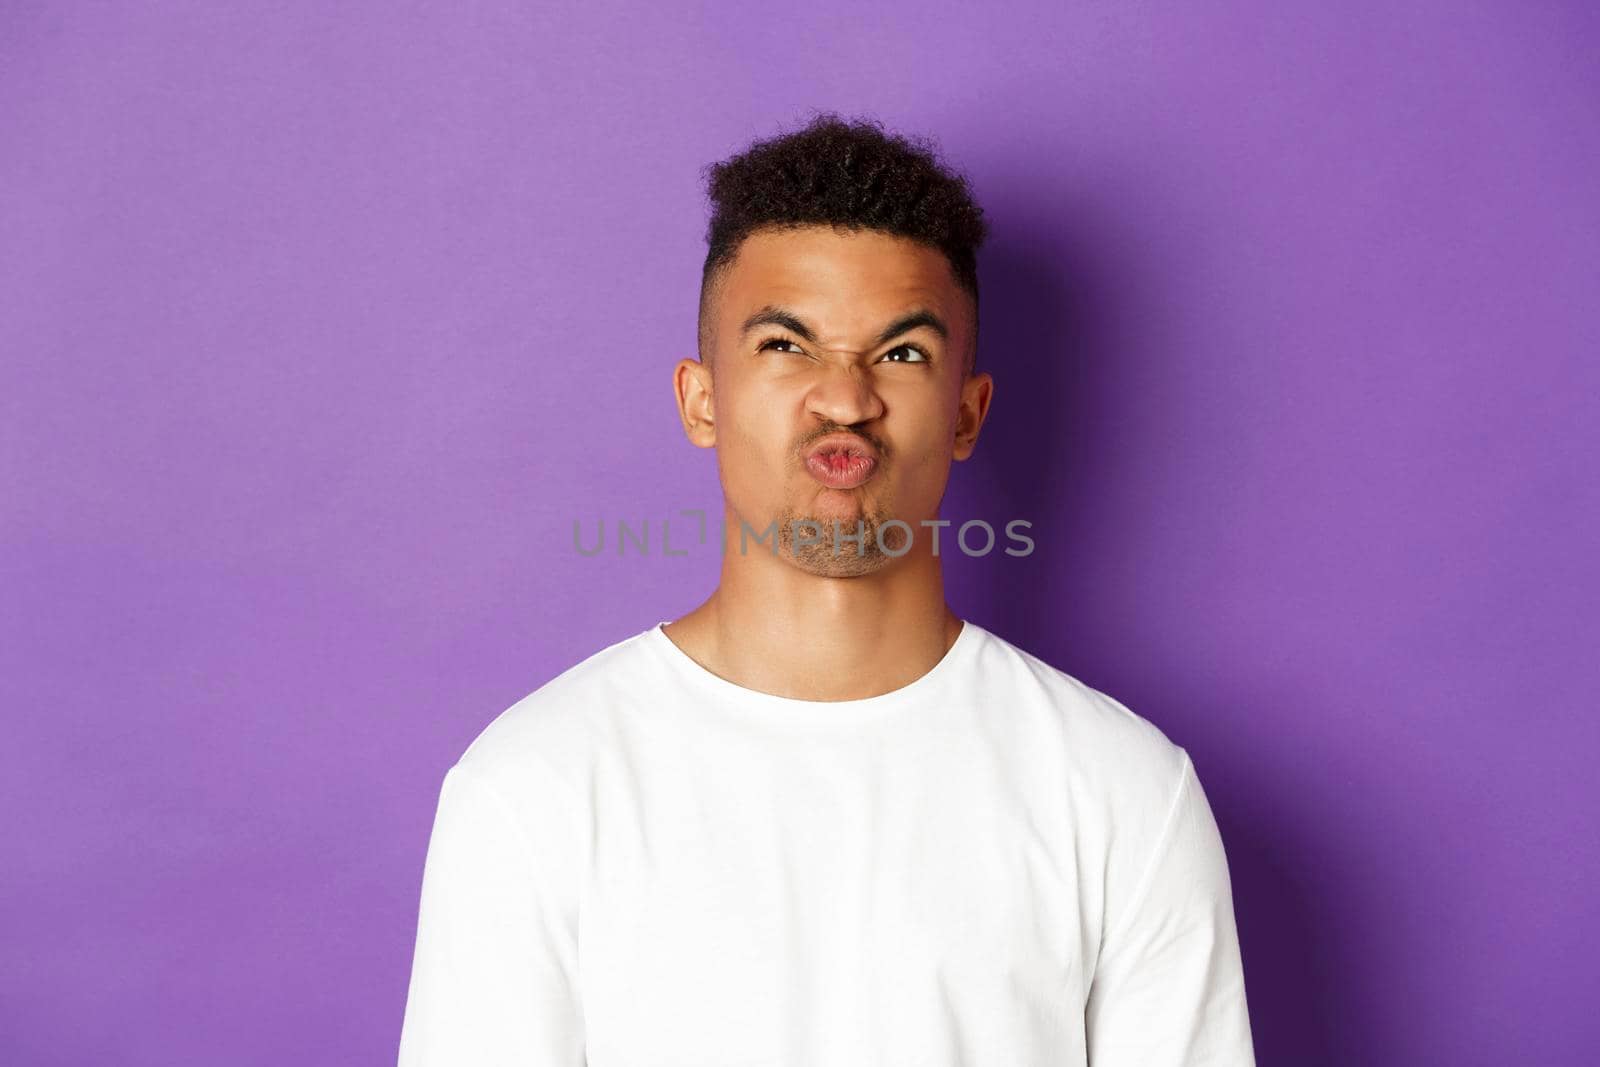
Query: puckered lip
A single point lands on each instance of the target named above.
(848, 443)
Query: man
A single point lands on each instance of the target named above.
(820, 820)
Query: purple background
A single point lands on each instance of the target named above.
(320, 329)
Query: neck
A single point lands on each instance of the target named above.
(776, 628)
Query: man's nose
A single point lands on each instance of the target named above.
(844, 395)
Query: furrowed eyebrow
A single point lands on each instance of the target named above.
(907, 323)
(772, 315)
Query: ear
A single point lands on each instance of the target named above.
(691, 385)
(976, 392)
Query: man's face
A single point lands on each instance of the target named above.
(800, 360)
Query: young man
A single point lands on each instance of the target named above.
(821, 821)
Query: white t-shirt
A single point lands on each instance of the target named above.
(643, 864)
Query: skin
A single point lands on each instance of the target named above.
(812, 623)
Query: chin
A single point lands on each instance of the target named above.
(821, 561)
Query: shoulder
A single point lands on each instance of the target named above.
(1112, 750)
(548, 734)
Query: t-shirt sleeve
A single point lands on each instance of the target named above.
(493, 974)
(1168, 988)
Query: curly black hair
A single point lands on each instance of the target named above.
(849, 174)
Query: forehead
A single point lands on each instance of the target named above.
(847, 282)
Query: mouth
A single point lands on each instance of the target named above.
(841, 461)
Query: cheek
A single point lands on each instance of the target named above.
(759, 436)
(753, 442)
(927, 429)
(926, 475)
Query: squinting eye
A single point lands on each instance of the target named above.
(774, 341)
(921, 356)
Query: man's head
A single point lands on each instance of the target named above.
(838, 307)
(845, 175)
